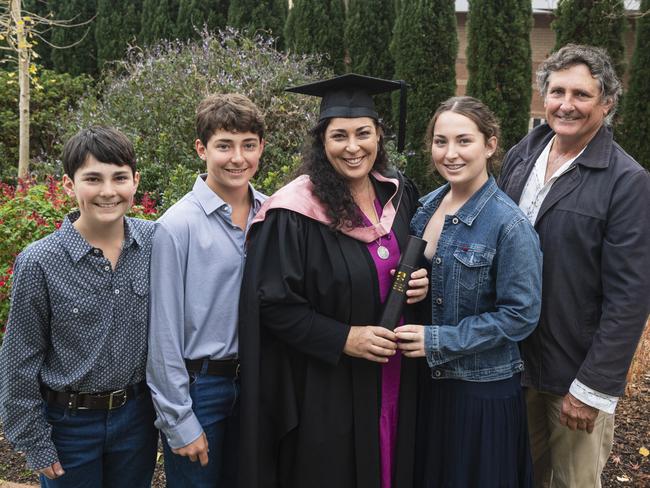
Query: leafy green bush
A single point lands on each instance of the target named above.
(29, 212)
(154, 99)
(52, 96)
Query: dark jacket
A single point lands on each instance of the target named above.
(594, 229)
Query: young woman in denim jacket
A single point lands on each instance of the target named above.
(485, 297)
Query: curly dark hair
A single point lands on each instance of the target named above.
(329, 186)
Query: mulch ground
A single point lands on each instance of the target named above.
(626, 467)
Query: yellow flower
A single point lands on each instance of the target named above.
(644, 452)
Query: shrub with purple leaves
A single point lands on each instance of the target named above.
(152, 97)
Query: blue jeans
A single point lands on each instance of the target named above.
(104, 447)
(216, 406)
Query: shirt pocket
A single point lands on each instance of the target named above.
(472, 265)
(77, 319)
(139, 308)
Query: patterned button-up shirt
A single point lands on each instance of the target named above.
(75, 324)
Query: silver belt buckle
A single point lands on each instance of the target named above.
(116, 399)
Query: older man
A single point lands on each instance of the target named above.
(590, 204)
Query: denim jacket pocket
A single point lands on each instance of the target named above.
(472, 265)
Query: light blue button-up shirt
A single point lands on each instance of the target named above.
(196, 271)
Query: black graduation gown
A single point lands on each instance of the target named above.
(310, 414)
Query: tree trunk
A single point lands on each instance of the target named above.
(23, 82)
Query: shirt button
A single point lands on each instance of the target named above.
(96, 251)
(75, 310)
(437, 373)
(439, 301)
(438, 260)
(117, 292)
(107, 268)
(454, 220)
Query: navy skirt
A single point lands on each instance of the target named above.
(473, 435)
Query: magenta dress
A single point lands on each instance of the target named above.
(390, 378)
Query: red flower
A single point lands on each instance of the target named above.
(57, 225)
(148, 204)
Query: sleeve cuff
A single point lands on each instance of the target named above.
(593, 398)
(41, 458)
(184, 433)
(432, 345)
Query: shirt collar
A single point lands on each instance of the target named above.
(210, 201)
(77, 247)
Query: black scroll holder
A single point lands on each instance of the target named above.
(408, 263)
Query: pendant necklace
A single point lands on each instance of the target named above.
(382, 251)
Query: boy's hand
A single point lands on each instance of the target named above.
(52, 472)
(197, 449)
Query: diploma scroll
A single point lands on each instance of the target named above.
(397, 296)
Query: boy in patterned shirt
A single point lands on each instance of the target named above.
(73, 395)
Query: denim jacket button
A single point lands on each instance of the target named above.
(438, 260)
(437, 373)
(454, 220)
(439, 301)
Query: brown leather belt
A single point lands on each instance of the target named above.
(108, 400)
(215, 367)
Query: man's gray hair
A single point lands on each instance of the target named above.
(599, 64)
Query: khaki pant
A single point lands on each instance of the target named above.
(563, 458)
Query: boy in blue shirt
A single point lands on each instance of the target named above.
(196, 271)
(73, 395)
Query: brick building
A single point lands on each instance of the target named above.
(542, 40)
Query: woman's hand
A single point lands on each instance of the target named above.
(371, 342)
(418, 286)
(411, 340)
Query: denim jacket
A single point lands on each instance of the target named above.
(485, 286)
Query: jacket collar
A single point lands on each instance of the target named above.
(472, 207)
(596, 155)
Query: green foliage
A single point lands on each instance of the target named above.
(154, 102)
(116, 26)
(80, 53)
(635, 124)
(158, 21)
(53, 95)
(254, 16)
(367, 38)
(193, 15)
(30, 212)
(424, 47)
(499, 62)
(595, 22)
(317, 27)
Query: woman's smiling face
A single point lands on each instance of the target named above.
(460, 151)
(351, 146)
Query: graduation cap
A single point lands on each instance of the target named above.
(350, 96)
